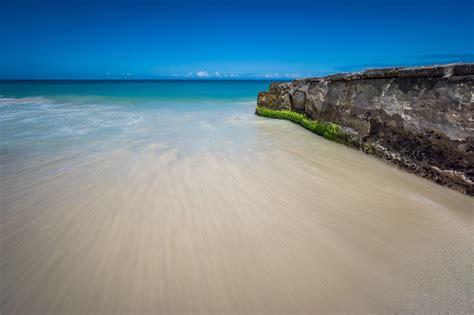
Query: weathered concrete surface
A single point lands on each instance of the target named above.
(420, 118)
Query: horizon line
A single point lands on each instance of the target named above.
(162, 79)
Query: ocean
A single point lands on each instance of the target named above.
(173, 197)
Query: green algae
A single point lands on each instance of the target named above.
(329, 131)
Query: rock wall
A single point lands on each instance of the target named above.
(420, 118)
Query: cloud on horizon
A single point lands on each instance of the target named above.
(202, 74)
(217, 74)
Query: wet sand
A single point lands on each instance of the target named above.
(270, 220)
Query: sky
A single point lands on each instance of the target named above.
(144, 39)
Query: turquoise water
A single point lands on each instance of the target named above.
(54, 116)
(172, 197)
(143, 90)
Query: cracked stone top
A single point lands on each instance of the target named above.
(401, 72)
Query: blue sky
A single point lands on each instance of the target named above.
(227, 39)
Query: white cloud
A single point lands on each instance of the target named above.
(293, 75)
(232, 75)
(276, 75)
(202, 74)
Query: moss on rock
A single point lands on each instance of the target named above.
(329, 131)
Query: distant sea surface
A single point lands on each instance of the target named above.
(173, 197)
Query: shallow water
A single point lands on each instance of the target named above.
(173, 197)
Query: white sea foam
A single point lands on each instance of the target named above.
(50, 118)
(38, 100)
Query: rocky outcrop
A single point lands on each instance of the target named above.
(422, 119)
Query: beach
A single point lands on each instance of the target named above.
(173, 197)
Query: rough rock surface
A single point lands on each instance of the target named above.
(422, 119)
